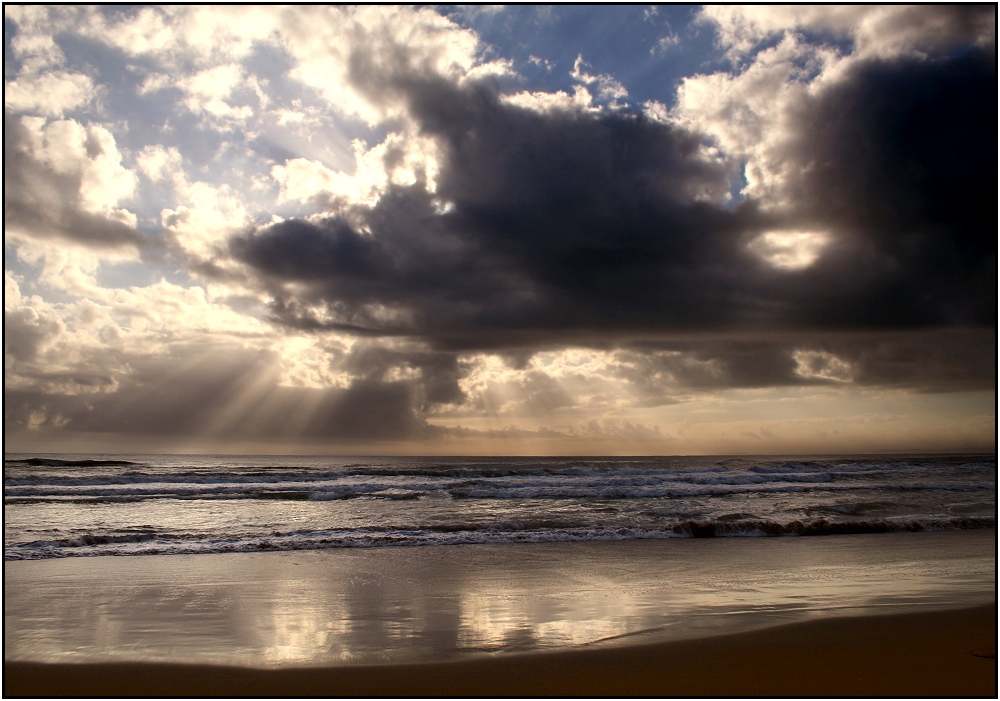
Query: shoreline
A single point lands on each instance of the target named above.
(928, 653)
(856, 615)
(400, 605)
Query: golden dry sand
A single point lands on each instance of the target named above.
(912, 654)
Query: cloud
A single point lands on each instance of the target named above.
(372, 227)
(25, 330)
(866, 161)
(569, 219)
(608, 88)
(890, 163)
(209, 91)
(159, 163)
(50, 94)
(931, 360)
(178, 34)
(92, 344)
(822, 365)
(664, 43)
(604, 432)
(353, 56)
(224, 392)
(65, 181)
(399, 159)
(573, 225)
(789, 250)
(877, 30)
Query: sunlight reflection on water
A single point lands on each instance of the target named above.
(398, 604)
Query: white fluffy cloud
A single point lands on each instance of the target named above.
(49, 94)
(607, 87)
(399, 159)
(67, 180)
(179, 34)
(160, 163)
(204, 218)
(352, 56)
(209, 91)
(751, 113)
(876, 30)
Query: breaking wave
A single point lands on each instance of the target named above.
(149, 542)
(149, 505)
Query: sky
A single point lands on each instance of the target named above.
(564, 230)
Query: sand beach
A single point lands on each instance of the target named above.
(910, 614)
(914, 654)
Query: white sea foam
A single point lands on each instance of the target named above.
(146, 543)
(155, 505)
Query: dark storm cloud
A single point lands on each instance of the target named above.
(368, 410)
(568, 228)
(653, 368)
(577, 226)
(561, 223)
(436, 373)
(899, 162)
(45, 203)
(930, 360)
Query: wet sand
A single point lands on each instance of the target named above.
(913, 654)
(872, 615)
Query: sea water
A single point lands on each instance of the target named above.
(535, 553)
(97, 505)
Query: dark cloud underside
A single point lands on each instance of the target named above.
(569, 227)
(211, 398)
(899, 162)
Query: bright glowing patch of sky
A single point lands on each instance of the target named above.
(521, 229)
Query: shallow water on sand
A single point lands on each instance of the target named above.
(350, 606)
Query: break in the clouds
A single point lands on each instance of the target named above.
(570, 229)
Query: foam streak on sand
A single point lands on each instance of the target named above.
(915, 654)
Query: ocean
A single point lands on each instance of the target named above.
(273, 561)
(58, 506)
